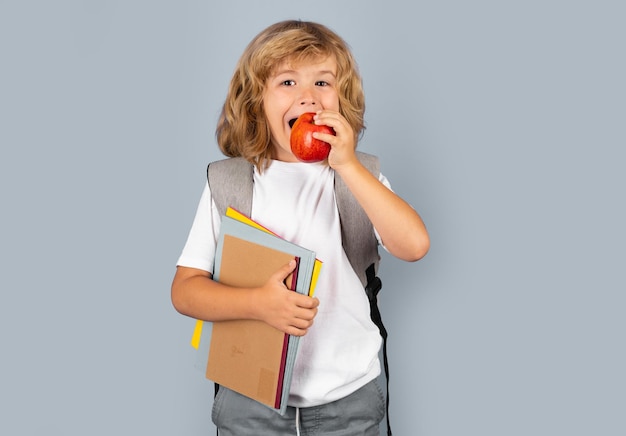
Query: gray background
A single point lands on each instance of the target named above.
(503, 123)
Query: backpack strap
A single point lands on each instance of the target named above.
(372, 289)
(231, 181)
(357, 232)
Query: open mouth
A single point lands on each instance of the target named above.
(292, 122)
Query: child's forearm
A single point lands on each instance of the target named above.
(400, 227)
(196, 294)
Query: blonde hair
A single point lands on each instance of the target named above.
(242, 129)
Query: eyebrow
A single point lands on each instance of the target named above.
(290, 71)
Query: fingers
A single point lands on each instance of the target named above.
(279, 277)
(284, 271)
(330, 118)
(306, 308)
(343, 143)
(302, 321)
(303, 314)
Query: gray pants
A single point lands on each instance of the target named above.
(358, 414)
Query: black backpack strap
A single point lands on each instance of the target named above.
(374, 286)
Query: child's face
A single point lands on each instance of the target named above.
(293, 90)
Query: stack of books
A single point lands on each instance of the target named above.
(249, 356)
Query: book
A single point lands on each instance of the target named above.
(248, 356)
(317, 267)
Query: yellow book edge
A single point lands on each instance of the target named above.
(232, 213)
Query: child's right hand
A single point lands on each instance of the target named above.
(282, 308)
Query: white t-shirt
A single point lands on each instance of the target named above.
(339, 354)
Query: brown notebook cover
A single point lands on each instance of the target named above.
(247, 356)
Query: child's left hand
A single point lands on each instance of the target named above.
(343, 143)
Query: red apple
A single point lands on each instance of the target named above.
(303, 145)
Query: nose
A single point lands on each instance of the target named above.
(308, 98)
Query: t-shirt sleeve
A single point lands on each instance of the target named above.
(385, 182)
(199, 250)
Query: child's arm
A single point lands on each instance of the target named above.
(196, 294)
(400, 227)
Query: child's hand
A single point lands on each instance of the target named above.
(343, 143)
(284, 309)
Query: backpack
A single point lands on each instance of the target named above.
(231, 182)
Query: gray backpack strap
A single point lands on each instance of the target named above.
(230, 182)
(357, 232)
